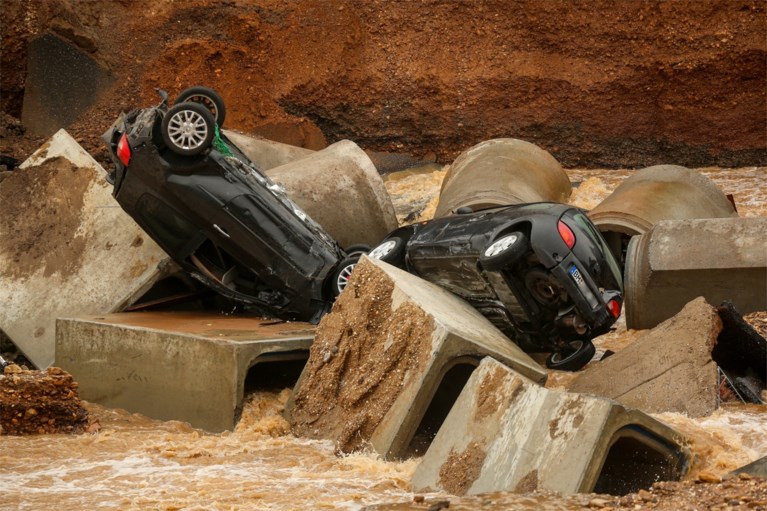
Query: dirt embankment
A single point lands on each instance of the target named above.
(596, 84)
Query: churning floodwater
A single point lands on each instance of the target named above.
(137, 463)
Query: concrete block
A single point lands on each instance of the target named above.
(507, 434)
(721, 259)
(176, 366)
(668, 369)
(499, 172)
(340, 188)
(757, 468)
(390, 359)
(66, 247)
(266, 154)
(61, 83)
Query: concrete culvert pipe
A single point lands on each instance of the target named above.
(340, 188)
(652, 194)
(499, 172)
(679, 260)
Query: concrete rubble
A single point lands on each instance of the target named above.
(176, 366)
(399, 366)
(390, 345)
(506, 433)
(668, 369)
(71, 237)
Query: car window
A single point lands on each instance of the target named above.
(593, 233)
(164, 223)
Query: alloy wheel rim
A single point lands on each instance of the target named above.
(187, 129)
(344, 276)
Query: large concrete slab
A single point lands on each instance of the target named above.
(62, 81)
(175, 366)
(66, 247)
(668, 369)
(507, 434)
(340, 188)
(721, 259)
(266, 154)
(390, 359)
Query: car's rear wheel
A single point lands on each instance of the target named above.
(544, 287)
(576, 355)
(188, 129)
(206, 97)
(504, 251)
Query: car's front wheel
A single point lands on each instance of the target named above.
(343, 273)
(504, 251)
(188, 129)
(576, 355)
(391, 251)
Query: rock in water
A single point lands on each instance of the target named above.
(38, 402)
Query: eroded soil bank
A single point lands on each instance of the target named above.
(627, 84)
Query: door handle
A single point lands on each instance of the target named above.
(219, 229)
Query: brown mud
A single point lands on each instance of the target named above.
(37, 227)
(599, 84)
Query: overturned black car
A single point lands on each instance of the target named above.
(542, 273)
(209, 207)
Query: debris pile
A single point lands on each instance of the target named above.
(40, 402)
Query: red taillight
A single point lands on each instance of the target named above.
(567, 234)
(123, 150)
(614, 307)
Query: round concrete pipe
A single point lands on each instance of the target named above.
(266, 154)
(679, 260)
(502, 171)
(661, 192)
(340, 188)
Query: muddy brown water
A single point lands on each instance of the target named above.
(137, 463)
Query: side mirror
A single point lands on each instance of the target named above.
(163, 95)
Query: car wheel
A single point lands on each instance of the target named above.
(358, 250)
(188, 129)
(576, 355)
(505, 250)
(206, 97)
(343, 273)
(391, 251)
(544, 287)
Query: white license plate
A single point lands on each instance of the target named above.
(576, 275)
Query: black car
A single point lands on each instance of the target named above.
(220, 218)
(542, 273)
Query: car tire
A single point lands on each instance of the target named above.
(391, 250)
(508, 255)
(206, 97)
(582, 352)
(359, 249)
(343, 273)
(188, 129)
